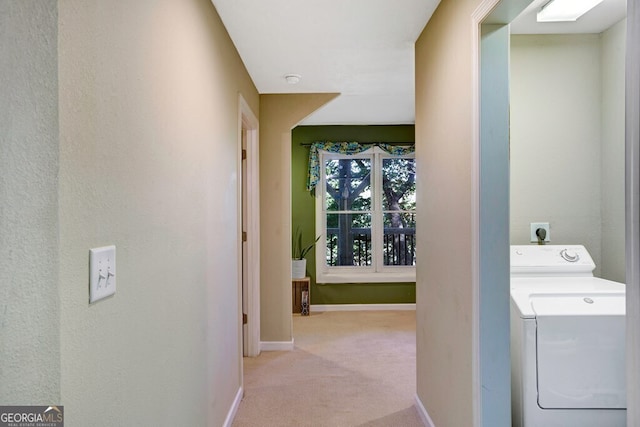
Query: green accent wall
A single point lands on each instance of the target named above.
(303, 212)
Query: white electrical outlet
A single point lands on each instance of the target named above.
(102, 273)
(534, 228)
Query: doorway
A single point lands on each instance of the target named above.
(249, 286)
(500, 13)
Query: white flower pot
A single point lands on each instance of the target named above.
(298, 268)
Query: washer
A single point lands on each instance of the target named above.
(567, 340)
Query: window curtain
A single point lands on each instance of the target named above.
(348, 148)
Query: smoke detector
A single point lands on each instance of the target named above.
(292, 79)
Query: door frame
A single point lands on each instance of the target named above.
(490, 233)
(248, 125)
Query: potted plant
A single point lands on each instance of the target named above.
(298, 261)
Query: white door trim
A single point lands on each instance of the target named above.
(478, 16)
(248, 123)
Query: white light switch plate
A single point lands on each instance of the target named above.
(102, 273)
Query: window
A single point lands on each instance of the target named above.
(365, 214)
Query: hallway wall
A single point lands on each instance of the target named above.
(444, 149)
(279, 114)
(149, 161)
(29, 303)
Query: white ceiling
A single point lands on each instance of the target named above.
(363, 49)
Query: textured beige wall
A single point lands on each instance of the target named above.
(278, 115)
(556, 109)
(29, 302)
(567, 142)
(444, 266)
(149, 162)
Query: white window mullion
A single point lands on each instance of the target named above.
(377, 230)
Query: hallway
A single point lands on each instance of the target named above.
(347, 369)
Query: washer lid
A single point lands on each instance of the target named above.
(524, 289)
(580, 351)
(579, 304)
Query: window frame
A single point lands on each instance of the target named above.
(377, 272)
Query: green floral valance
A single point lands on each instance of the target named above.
(349, 148)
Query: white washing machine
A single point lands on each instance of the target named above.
(567, 340)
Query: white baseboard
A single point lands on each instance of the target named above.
(362, 307)
(424, 415)
(276, 345)
(426, 419)
(234, 408)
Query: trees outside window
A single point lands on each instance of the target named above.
(366, 215)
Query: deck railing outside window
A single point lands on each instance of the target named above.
(398, 247)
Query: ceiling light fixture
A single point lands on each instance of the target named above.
(292, 79)
(565, 10)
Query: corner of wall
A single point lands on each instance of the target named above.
(278, 115)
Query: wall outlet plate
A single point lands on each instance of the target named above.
(535, 226)
(102, 273)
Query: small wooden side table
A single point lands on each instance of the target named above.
(300, 287)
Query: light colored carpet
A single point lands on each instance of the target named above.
(348, 369)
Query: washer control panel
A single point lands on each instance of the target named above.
(551, 260)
